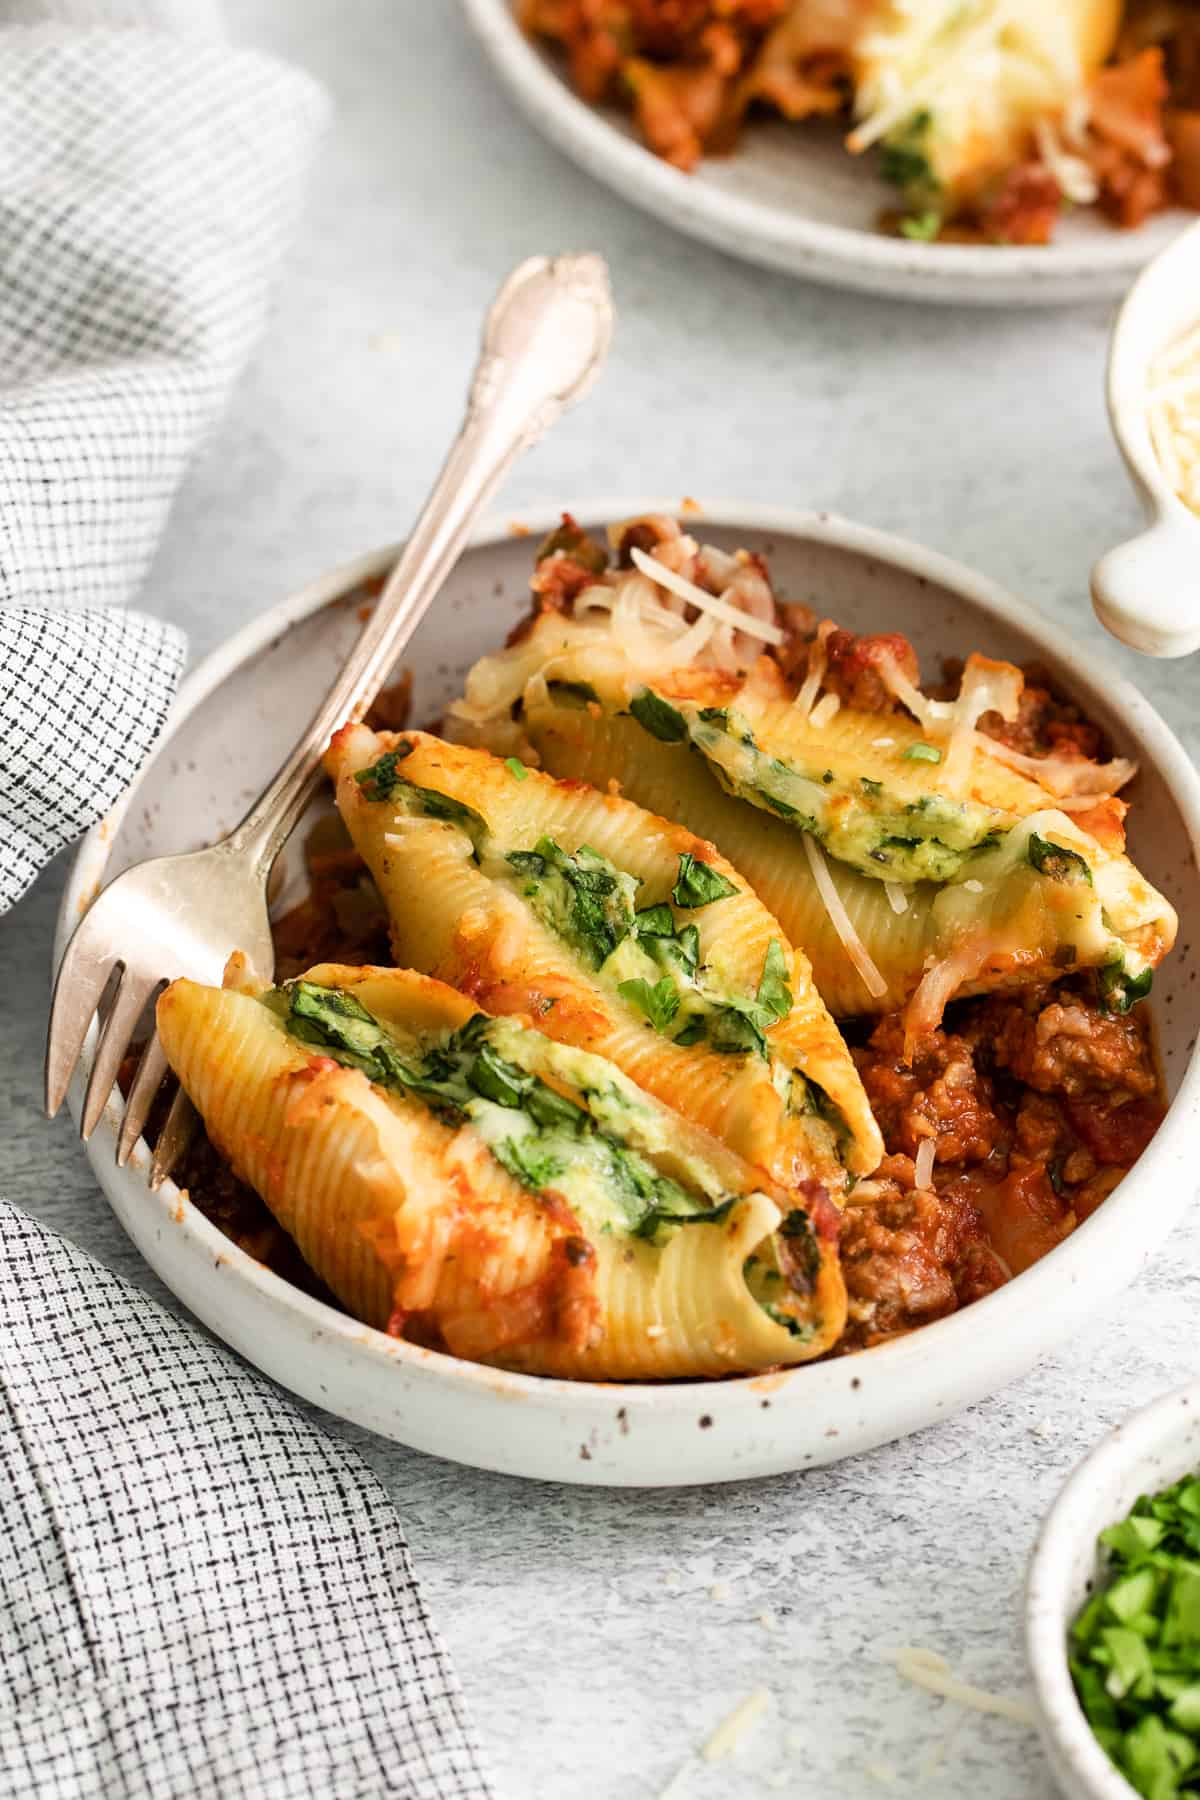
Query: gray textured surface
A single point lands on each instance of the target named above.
(593, 1650)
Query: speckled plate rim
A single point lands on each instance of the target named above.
(1145, 1452)
(686, 1432)
(844, 256)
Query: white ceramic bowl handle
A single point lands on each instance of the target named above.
(1147, 591)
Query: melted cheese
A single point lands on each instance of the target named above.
(983, 73)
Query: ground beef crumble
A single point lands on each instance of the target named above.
(1036, 1103)
(852, 669)
(1047, 722)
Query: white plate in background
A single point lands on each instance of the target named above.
(791, 197)
(234, 721)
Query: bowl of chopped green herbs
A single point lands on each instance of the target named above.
(1113, 1612)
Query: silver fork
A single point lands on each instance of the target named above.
(544, 341)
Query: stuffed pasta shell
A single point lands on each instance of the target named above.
(613, 930)
(905, 849)
(958, 93)
(469, 1183)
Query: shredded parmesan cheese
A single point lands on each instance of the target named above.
(1072, 173)
(839, 918)
(708, 603)
(932, 714)
(1173, 414)
(818, 662)
(926, 1669)
(937, 986)
(923, 1166)
(823, 711)
(730, 1732)
(986, 687)
(675, 1786)
(1065, 775)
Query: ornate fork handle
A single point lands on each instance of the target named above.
(544, 342)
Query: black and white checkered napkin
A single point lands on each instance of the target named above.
(148, 186)
(200, 1593)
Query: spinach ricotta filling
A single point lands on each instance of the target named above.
(474, 1076)
(860, 823)
(645, 954)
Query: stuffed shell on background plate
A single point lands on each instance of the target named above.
(943, 151)
(1001, 1236)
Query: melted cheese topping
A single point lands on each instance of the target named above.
(982, 73)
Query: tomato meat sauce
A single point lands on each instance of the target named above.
(1035, 1103)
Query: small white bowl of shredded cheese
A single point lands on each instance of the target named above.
(1147, 591)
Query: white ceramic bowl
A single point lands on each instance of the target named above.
(792, 198)
(1147, 591)
(234, 721)
(1147, 1453)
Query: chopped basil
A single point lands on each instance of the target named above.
(698, 885)
(786, 1268)
(680, 952)
(659, 1002)
(497, 1080)
(872, 788)
(379, 780)
(533, 1168)
(733, 1031)
(657, 717)
(808, 1096)
(741, 1025)
(776, 805)
(572, 540)
(1119, 991)
(572, 693)
(1134, 1650)
(904, 157)
(516, 768)
(655, 921)
(922, 227)
(1055, 861)
(926, 753)
(580, 895)
(664, 1216)
(382, 781)
(774, 997)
